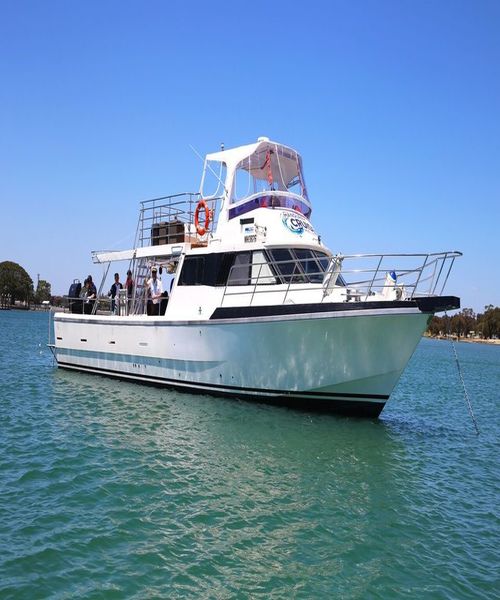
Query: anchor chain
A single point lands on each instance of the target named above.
(459, 369)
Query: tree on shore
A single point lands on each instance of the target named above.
(15, 283)
(42, 291)
(486, 325)
(489, 322)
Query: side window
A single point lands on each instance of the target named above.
(214, 178)
(192, 271)
(242, 185)
(240, 271)
(261, 271)
(224, 267)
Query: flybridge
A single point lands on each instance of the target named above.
(260, 175)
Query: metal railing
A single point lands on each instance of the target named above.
(420, 274)
(170, 219)
(102, 305)
(357, 277)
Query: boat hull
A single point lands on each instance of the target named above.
(345, 362)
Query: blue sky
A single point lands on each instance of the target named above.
(394, 106)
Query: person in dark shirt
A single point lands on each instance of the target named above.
(90, 295)
(91, 289)
(129, 285)
(113, 292)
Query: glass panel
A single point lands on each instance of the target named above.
(240, 271)
(309, 265)
(287, 266)
(214, 179)
(261, 271)
(243, 185)
(192, 271)
(324, 261)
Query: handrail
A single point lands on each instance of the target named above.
(369, 283)
(374, 276)
(176, 213)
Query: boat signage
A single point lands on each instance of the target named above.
(296, 224)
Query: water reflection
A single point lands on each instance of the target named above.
(232, 484)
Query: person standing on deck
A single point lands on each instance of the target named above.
(155, 293)
(113, 292)
(129, 286)
(90, 296)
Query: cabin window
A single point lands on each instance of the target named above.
(210, 269)
(300, 265)
(286, 266)
(261, 271)
(311, 268)
(240, 271)
(217, 269)
(279, 265)
(192, 271)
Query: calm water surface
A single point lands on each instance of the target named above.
(114, 490)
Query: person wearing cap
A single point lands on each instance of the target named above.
(155, 293)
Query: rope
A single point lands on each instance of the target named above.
(466, 395)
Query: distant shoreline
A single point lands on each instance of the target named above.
(461, 339)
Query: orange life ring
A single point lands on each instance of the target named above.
(201, 230)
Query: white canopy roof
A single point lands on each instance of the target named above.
(147, 252)
(235, 155)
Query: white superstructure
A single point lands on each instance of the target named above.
(257, 306)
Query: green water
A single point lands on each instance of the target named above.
(115, 490)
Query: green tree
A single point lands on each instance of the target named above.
(436, 326)
(489, 322)
(15, 283)
(42, 291)
(57, 301)
(463, 322)
(469, 320)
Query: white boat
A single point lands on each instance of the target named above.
(259, 307)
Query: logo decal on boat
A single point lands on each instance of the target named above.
(295, 224)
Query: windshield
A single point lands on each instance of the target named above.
(214, 177)
(299, 265)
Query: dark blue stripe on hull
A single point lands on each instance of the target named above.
(427, 305)
(321, 402)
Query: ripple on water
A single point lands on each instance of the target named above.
(115, 490)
